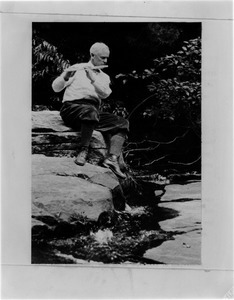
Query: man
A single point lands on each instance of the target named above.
(85, 86)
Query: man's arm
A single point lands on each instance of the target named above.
(103, 90)
(101, 85)
(63, 81)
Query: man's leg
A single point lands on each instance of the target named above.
(87, 129)
(116, 145)
(118, 128)
(84, 118)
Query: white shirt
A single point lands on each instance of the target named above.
(80, 87)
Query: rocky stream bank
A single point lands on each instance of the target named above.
(87, 215)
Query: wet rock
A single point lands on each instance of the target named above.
(159, 193)
(182, 191)
(185, 248)
(107, 219)
(60, 195)
(39, 228)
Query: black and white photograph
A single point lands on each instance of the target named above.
(116, 143)
(117, 149)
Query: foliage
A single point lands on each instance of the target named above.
(166, 110)
(173, 85)
(46, 60)
(115, 107)
(47, 64)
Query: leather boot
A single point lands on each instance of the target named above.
(112, 163)
(82, 156)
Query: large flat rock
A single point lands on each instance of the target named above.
(48, 120)
(42, 165)
(50, 136)
(70, 196)
(182, 191)
(185, 249)
(63, 190)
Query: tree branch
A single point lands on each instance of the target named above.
(150, 163)
(142, 102)
(157, 142)
(141, 149)
(185, 164)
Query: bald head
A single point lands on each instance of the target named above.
(100, 49)
(99, 53)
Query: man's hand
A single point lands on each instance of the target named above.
(90, 74)
(68, 74)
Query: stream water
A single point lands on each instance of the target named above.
(116, 238)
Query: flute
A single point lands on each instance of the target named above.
(78, 68)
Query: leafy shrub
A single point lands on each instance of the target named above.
(46, 60)
(47, 64)
(173, 85)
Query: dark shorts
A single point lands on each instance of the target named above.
(75, 112)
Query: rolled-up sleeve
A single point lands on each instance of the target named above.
(102, 86)
(59, 83)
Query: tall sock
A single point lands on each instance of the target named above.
(116, 144)
(87, 129)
